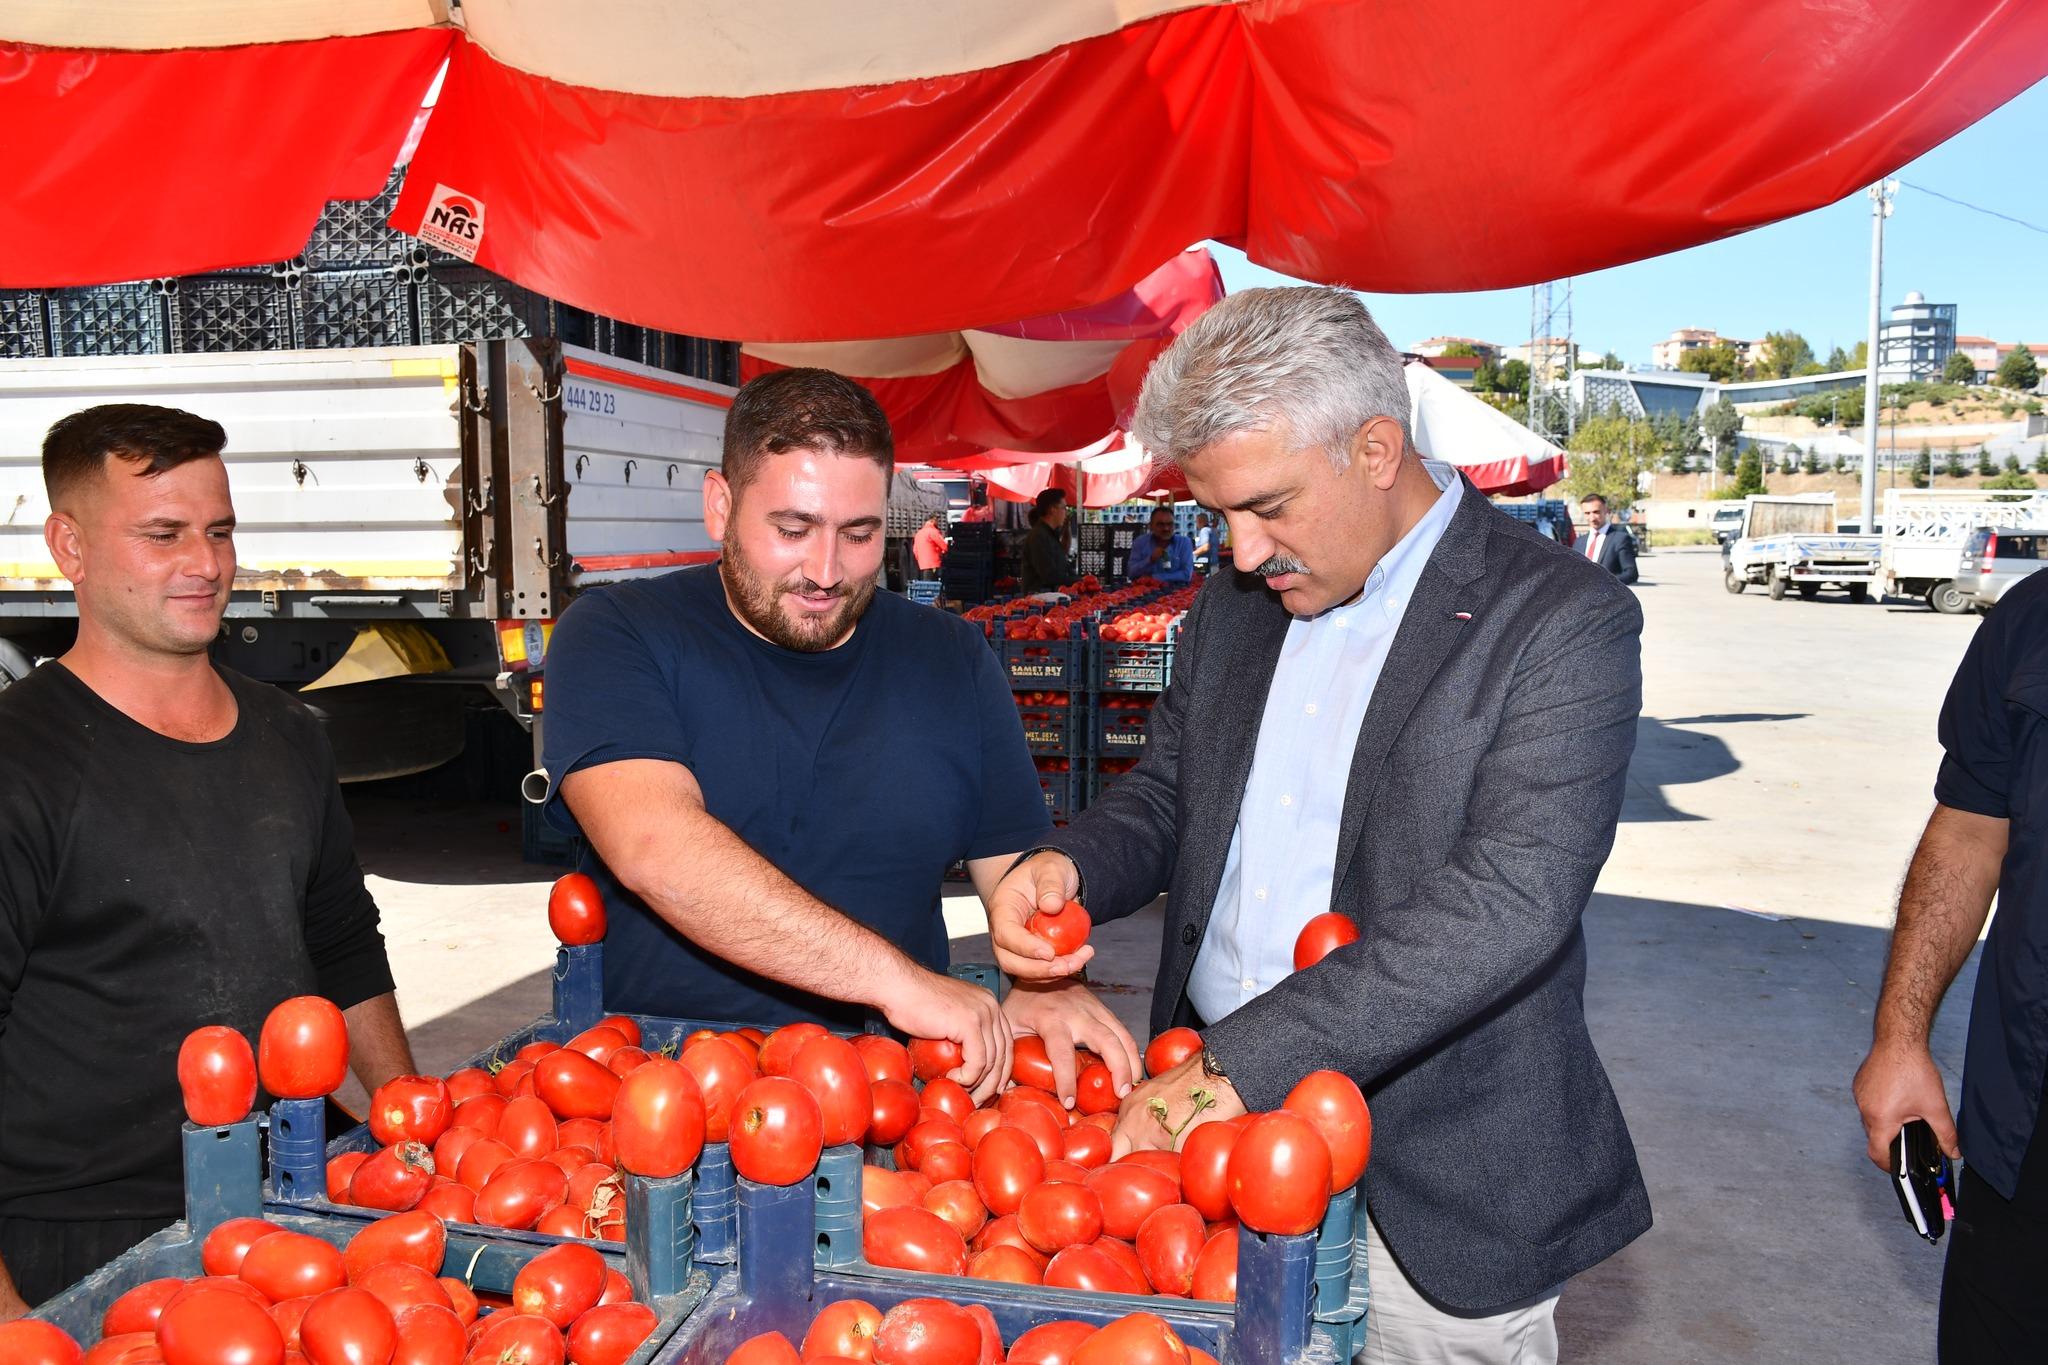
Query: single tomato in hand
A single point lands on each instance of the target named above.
(1066, 929)
(1322, 936)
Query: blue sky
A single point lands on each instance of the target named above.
(1810, 273)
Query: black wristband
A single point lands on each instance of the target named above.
(1080, 882)
(1212, 1068)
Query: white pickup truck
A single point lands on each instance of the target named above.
(1790, 543)
(1925, 531)
(411, 519)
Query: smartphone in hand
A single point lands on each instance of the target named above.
(1923, 1179)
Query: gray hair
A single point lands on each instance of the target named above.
(1308, 362)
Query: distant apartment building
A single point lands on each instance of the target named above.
(1916, 341)
(1667, 354)
(1987, 355)
(1562, 356)
(1437, 346)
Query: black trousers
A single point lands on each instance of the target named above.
(1994, 1287)
(46, 1258)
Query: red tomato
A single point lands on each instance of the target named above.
(846, 1329)
(931, 1058)
(450, 1148)
(1007, 1163)
(28, 1341)
(594, 1134)
(913, 1239)
(340, 1171)
(1322, 936)
(576, 910)
(571, 1159)
(1043, 1129)
(518, 1339)
(777, 1131)
(991, 1335)
(528, 1126)
(222, 1251)
(586, 1181)
(598, 1043)
(882, 1188)
(1166, 1163)
(1126, 1257)
(624, 1024)
(957, 1203)
(1095, 1091)
(616, 1288)
(302, 1052)
(454, 1202)
(722, 1071)
(535, 1050)
(1066, 929)
(779, 1048)
(1093, 1269)
(288, 1315)
(1332, 1101)
(1134, 1339)
(927, 1332)
(411, 1109)
(429, 1334)
(561, 1284)
(623, 1062)
(1204, 1169)
(397, 1285)
(1050, 1343)
(217, 1073)
(462, 1296)
(137, 1310)
(574, 1086)
(1169, 1242)
(468, 1083)
(285, 1265)
(885, 1058)
(892, 1111)
(484, 1156)
(210, 1284)
(519, 1192)
(1129, 1193)
(947, 1161)
(1215, 1277)
(1029, 1063)
(1055, 1216)
(1085, 1146)
(926, 1135)
(214, 1327)
(1065, 1172)
(831, 1069)
(394, 1178)
(1006, 1263)
(610, 1333)
(514, 1078)
(1280, 1174)
(1004, 1232)
(949, 1097)
(1026, 1097)
(770, 1348)
(1170, 1049)
(480, 1114)
(564, 1220)
(130, 1348)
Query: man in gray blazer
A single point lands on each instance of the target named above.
(1413, 710)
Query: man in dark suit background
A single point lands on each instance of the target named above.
(1608, 543)
(1415, 711)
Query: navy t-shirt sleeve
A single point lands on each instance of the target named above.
(1975, 731)
(1013, 814)
(610, 697)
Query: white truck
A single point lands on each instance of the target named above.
(1926, 529)
(411, 519)
(1790, 543)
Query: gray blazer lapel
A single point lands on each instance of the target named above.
(1429, 631)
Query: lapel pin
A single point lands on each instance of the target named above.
(1462, 615)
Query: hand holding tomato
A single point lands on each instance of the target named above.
(1186, 1099)
(932, 1005)
(1043, 882)
(1065, 1015)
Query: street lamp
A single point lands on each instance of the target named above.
(1881, 196)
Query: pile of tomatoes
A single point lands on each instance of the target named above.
(1038, 701)
(1087, 604)
(1025, 1191)
(938, 1332)
(273, 1296)
(1153, 622)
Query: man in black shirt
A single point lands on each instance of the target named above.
(173, 852)
(1989, 832)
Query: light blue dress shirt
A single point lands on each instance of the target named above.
(1283, 852)
(1179, 565)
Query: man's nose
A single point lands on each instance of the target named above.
(822, 564)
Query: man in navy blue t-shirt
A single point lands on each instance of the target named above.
(773, 764)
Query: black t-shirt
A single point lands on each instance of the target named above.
(149, 886)
(861, 772)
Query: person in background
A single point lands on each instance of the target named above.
(978, 506)
(1046, 562)
(1159, 552)
(1205, 544)
(1608, 543)
(929, 545)
(1988, 834)
(174, 852)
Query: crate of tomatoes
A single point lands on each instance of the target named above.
(1065, 783)
(1121, 720)
(1055, 723)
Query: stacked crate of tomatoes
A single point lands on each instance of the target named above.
(1132, 664)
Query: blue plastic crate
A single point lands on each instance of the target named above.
(1128, 666)
(1059, 728)
(924, 590)
(1065, 793)
(1044, 665)
(1120, 730)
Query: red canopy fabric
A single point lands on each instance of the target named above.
(918, 166)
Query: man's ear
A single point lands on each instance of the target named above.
(1378, 448)
(67, 546)
(718, 504)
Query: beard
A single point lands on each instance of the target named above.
(758, 600)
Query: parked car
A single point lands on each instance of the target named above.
(1995, 558)
(1727, 522)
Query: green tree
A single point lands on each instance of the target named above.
(1610, 361)
(1718, 360)
(1984, 465)
(1514, 378)
(1609, 452)
(2019, 370)
(1788, 460)
(1841, 464)
(1838, 359)
(1811, 463)
(2011, 478)
(1953, 465)
(1960, 369)
(1749, 476)
(1461, 348)
(1923, 468)
(1720, 424)
(1860, 357)
(1784, 354)
(2041, 463)
(1486, 378)
(2010, 464)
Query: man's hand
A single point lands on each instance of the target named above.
(1044, 881)
(1066, 1014)
(12, 1305)
(932, 1005)
(1898, 1082)
(1159, 1115)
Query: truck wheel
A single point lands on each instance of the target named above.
(1808, 591)
(1778, 585)
(1947, 599)
(1859, 592)
(1733, 581)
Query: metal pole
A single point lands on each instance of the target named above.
(1880, 209)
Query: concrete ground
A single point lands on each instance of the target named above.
(1781, 774)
